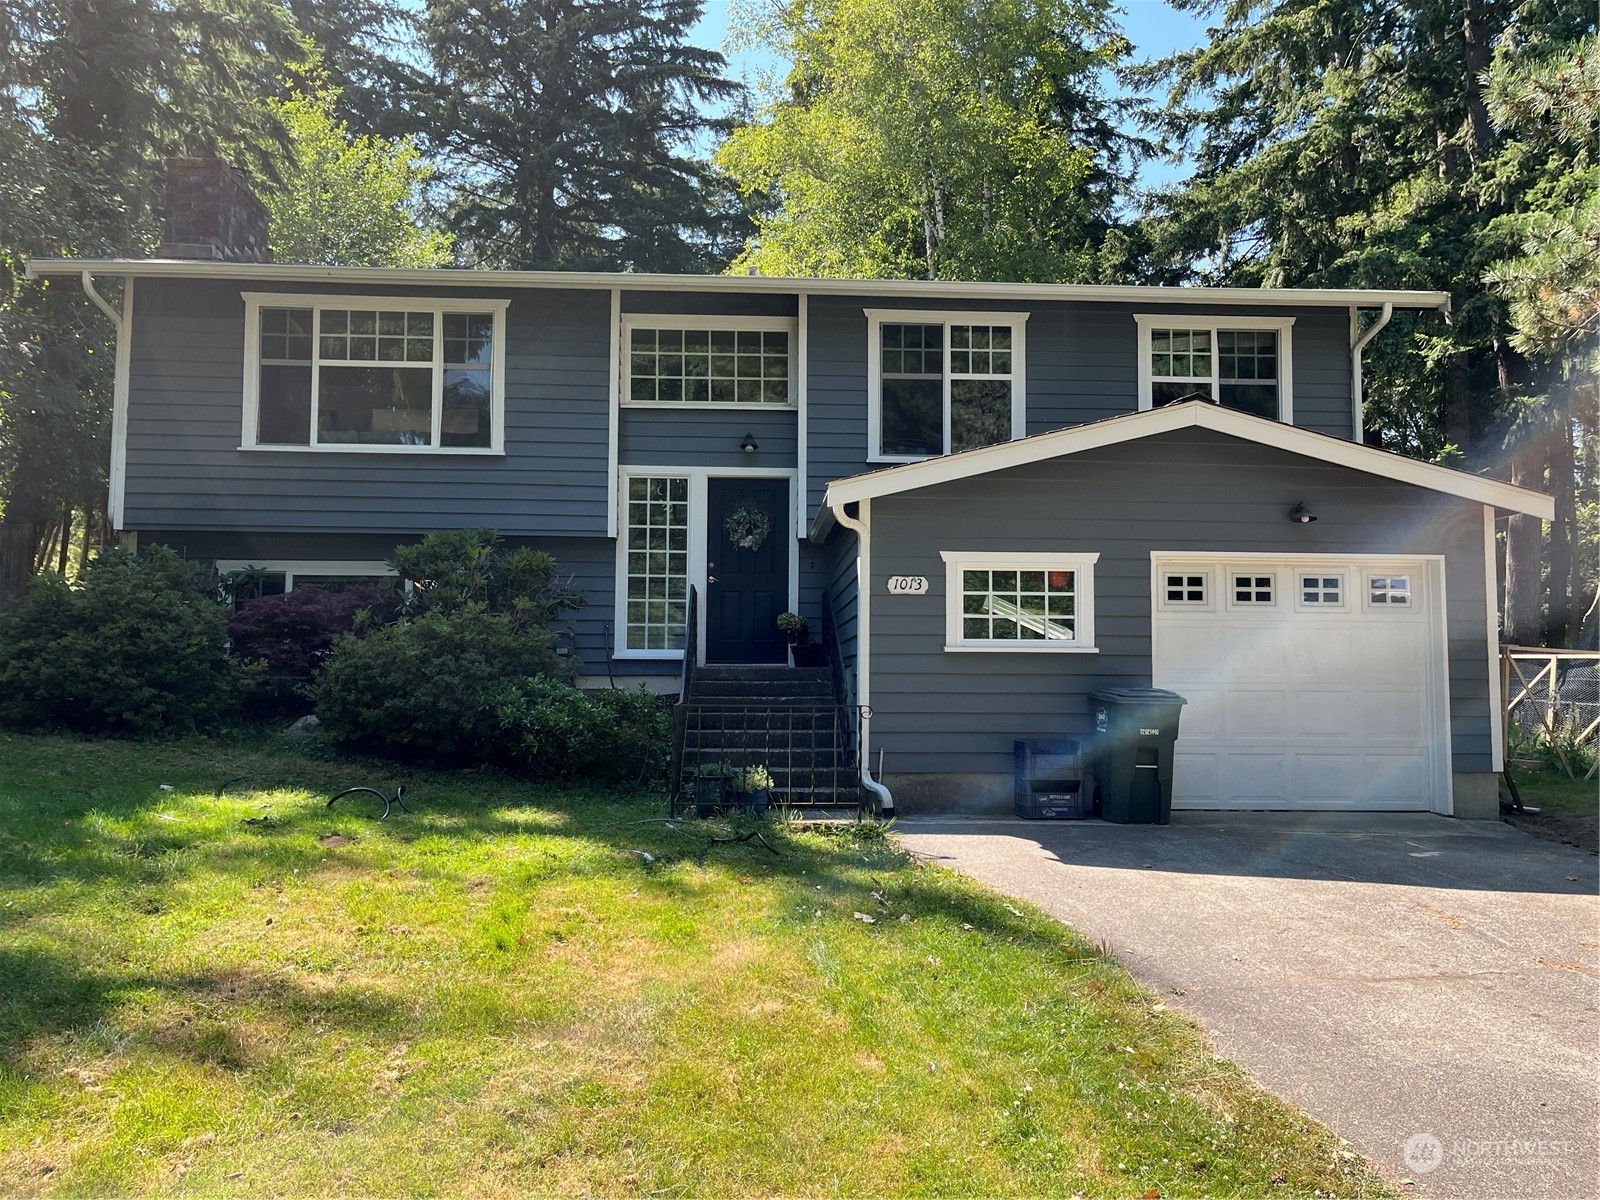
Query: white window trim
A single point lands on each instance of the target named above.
(956, 561)
(878, 317)
(1205, 572)
(293, 569)
(1412, 605)
(1215, 323)
(254, 302)
(1230, 593)
(1300, 603)
(699, 481)
(691, 321)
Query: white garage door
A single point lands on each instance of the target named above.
(1313, 682)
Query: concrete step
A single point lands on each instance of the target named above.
(772, 674)
(757, 693)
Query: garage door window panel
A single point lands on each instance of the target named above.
(1252, 589)
(1389, 591)
(1186, 589)
(1320, 591)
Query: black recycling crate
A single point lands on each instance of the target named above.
(1047, 780)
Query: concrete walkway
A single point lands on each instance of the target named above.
(1393, 975)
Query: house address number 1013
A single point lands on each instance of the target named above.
(908, 585)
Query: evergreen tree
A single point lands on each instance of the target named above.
(566, 129)
(1351, 143)
(945, 139)
(92, 97)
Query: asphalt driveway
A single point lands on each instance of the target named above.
(1401, 977)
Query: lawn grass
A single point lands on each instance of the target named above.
(1569, 809)
(225, 988)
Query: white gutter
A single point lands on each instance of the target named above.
(863, 646)
(942, 289)
(117, 476)
(1357, 345)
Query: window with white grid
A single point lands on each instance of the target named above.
(1389, 591)
(1016, 602)
(658, 562)
(1186, 587)
(708, 366)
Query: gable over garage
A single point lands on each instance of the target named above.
(1309, 691)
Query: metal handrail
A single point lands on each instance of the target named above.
(691, 643)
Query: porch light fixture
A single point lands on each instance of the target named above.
(749, 445)
(1301, 515)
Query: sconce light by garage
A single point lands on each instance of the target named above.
(749, 445)
(1301, 515)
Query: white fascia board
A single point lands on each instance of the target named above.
(1194, 414)
(909, 288)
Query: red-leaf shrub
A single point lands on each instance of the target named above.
(292, 634)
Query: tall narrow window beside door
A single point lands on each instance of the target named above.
(658, 562)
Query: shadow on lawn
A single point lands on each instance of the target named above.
(45, 994)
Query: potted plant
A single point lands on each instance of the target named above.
(798, 630)
(711, 787)
(750, 788)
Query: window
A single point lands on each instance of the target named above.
(1389, 591)
(375, 374)
(1186, 588)
(1242, 363)
(274, 577)
(1252, 589)
(1322, 591)
(1019, 602)
(657, 562)
(733, 362)
(942, 383)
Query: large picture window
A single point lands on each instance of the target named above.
(1241, 363)
(727, 361)
(1019, 601)
(378, 374)
(943, 382)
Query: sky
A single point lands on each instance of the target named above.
(1154, 27)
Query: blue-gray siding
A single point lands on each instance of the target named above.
(1082, 365)
(844, 590)
(1190, 491)
(686, 436)
(185, 470)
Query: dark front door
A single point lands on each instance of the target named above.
(747, 570)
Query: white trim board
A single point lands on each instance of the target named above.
(121, 389)
(1193, 414)
(698, 478)
(923, 288)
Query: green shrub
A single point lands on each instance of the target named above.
(552, 730)
(471, 568)
(133, 647)
(428, 688)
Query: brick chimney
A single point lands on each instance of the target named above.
(212, 213)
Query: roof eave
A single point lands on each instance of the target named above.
(990, 290)
(1078, 439)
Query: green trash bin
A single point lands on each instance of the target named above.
(1135, 731)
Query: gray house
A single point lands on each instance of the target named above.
(990, 498)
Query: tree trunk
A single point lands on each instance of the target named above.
(1475, 35)
(1563, 530)
(19, 537)
(1458, 405)
(1523, 535)
(66, 539)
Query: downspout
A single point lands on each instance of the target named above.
(864, 646)
(1357, 345)
(116, 478)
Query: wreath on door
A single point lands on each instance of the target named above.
(748, 526)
